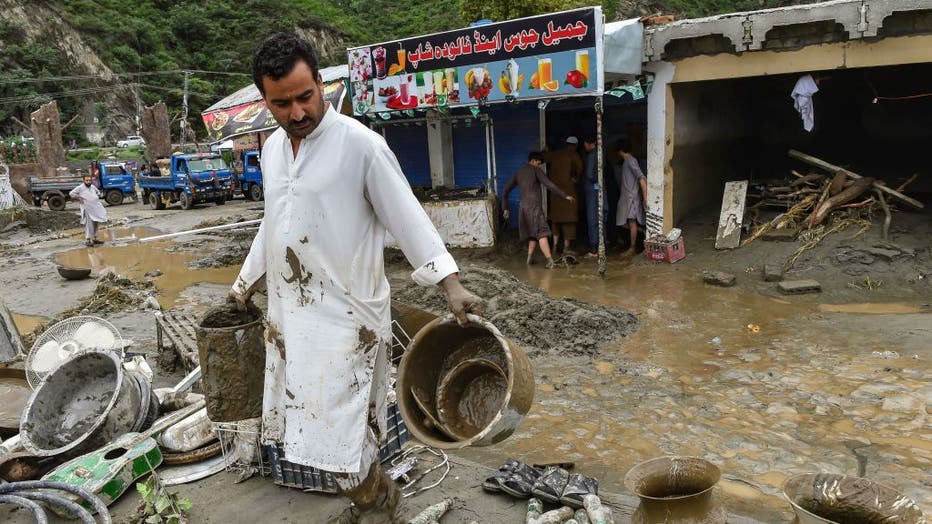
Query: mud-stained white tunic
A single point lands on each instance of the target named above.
(91, 206)
(327, 210)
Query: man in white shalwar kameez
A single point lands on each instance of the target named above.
(92, 209)
(333, 189)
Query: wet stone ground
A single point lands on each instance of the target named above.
(764, 387)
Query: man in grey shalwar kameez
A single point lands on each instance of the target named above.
(633, 199)
(92, 209)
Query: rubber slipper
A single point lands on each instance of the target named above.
(549, 487)
(521, 481)
(494, 482)
(576, 487)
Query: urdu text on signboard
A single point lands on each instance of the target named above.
(554, 55)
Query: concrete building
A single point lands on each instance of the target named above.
(720, 108)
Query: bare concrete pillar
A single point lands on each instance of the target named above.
(46, 128)
(660, 113)
(155, 130)
(440, 150)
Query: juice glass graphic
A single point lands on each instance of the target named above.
(378, 54)
(438, 83)
(544, 71)
(582, 62)
(403, 90)
(400, 55)
(451, 80)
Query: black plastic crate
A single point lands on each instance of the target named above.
(292, 475)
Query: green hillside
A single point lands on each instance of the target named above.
(149, 42)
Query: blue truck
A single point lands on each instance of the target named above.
(112, 178)
(189, 179)
(248, 174)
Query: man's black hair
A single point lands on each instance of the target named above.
(589, 139)
(623, 145)
(277, 55)
(535, 155)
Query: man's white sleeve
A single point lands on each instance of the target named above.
(254, 266)
(401, 213)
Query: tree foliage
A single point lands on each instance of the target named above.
(148, 36)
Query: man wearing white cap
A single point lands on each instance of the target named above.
(565, 169)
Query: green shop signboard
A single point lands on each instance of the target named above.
(554, 55)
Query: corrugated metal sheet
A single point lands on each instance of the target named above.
(250, 93)
(409, 143)
(517, 132)
(470, 167)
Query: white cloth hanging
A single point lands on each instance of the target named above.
(802, 97)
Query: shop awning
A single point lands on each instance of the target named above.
(623, 46)
(244, 111)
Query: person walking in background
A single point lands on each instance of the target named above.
(532, 224)
(565, 169)
(92, 209)
(591, 187)
(632, 202)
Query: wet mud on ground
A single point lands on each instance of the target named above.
(763, 385)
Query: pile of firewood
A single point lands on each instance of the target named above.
(811, 198)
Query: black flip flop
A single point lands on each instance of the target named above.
(494, 482)
(549, 487)
(577, 486)
(521, 481)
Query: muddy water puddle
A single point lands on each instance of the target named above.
(801, 393)
(136, 259)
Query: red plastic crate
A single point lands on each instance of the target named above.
(660, 251)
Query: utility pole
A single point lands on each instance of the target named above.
(184, 111)
(138, 108)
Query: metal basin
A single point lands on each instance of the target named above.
(676, 490)
(827, 498)
(81, 406)
(74, 273)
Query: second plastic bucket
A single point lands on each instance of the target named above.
(487, 384)
(231, 351)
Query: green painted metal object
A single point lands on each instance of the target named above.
(111, 470)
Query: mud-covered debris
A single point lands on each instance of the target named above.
(773, 272)
(39, 220)
(113, 293)
(799, 287)
(529, 316)
(718, 278)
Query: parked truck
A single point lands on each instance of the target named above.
(112, 178)
(189, 179)
(248, 174)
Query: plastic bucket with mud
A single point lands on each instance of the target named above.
(463, 386)
(827, 498)
(676, 489)
(231, 351)
(14, 393)
(81, 405)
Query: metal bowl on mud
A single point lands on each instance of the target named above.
(74, 273)
(80, 406)
(828, 498)
(476, 381)
(676, 489)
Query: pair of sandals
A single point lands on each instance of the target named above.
(554, 484)
(92, 243)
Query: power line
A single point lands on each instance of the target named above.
(113, 76)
